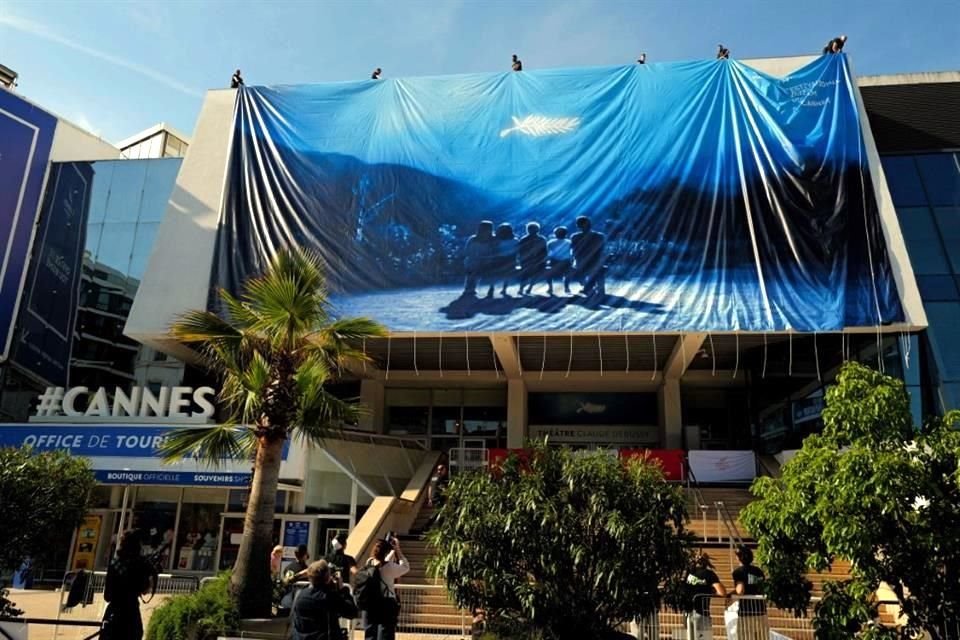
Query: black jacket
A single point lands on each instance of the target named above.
(317, 612)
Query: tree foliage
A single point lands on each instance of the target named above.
(569, 544)
(44, 497)
(205, 614)
(872, 490)
(274, 348)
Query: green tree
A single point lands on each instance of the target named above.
(875, 491)
(274, 349)
(566, 544)
(44, 497)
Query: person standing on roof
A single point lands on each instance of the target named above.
(517, 63)
(236, 81)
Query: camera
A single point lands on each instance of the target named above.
(390, 537)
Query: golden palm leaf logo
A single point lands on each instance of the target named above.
(538, 126)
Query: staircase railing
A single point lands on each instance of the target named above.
(693, 488)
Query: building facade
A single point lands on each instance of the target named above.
(125, 242)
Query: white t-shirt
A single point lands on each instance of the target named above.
(390, 571)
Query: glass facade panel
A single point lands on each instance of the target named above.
(904, 181)
(941, 178)
(938, 288)
(484, 421)
(948, 221)
(408, 420)
(923, 241)
(126, 192)
(944, 319)
(117, 204)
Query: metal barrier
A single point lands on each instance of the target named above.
(85, 603)
(468, 458)
(426, 612)
(31, 627)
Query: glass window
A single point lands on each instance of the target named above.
(948, 220)
(941, 178)
(155, 148)
(237, 501)
(100, 190)
(923, 241)
(944, 319)
(158, 185)
(407, 420)
(937, 288)
(950, 393)
(407, 397)
(447, 397)
(904, 181)
(484, 421)
(446, 421)
(116, 244)
(155, 514)
(126, 189)
(198, 530)
(142, 246)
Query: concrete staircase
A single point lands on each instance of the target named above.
(426, 607)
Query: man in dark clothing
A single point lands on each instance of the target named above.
(237, 80)
(376, 74)
(532, 250)
(722, 52)
(297, 570)
(702, 585)
(642, 59)
(517, 64)
(589, 254)
(318, 608)
(436, 493)
(340, 562)
(835, 45)
(128, 576)
(748, 581)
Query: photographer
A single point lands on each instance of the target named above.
(318, 608)
(128, 577)
(375, 589)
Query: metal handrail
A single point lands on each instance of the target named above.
(374, 438)
(694, 487)
(723, 515)
(52, 621)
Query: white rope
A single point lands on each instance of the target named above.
(387, 376)
(543, 361)
(816, 356)
(600, 348)
(713, 356)
(907, 347)
(763, 372)
(466, 338)
(736, 363)
(519, 360)
(790, 354)
(683, 355)
(496, 368)
(570, 359)
(626, 343)
(440, 355)
(653, 376)
(415, 369)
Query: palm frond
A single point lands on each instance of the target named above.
(218, 341)
(244, 390)
(325, 414)
(339, 340)
(240, 314)
(214, 445)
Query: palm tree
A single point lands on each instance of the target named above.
(274, 348)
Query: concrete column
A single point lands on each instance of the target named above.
(516, 413)
(371, 397)
(671, 417)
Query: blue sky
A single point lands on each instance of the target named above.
(118, 67)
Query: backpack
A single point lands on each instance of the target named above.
(368, 589)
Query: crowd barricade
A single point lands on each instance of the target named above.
(80, 600)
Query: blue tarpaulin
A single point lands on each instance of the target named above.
(677, 196)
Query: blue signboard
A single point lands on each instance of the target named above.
(45, 335)
(691, 196)
(198, 478)
(26, 135)
(295, 533)
(93, 441)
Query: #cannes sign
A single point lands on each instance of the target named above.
(174, 404)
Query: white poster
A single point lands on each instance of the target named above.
(723, 466)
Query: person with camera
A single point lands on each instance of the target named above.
(129, 576)
(318, 608)
(375, 590)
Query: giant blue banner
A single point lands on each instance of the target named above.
(26, 134)
(676, 196)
